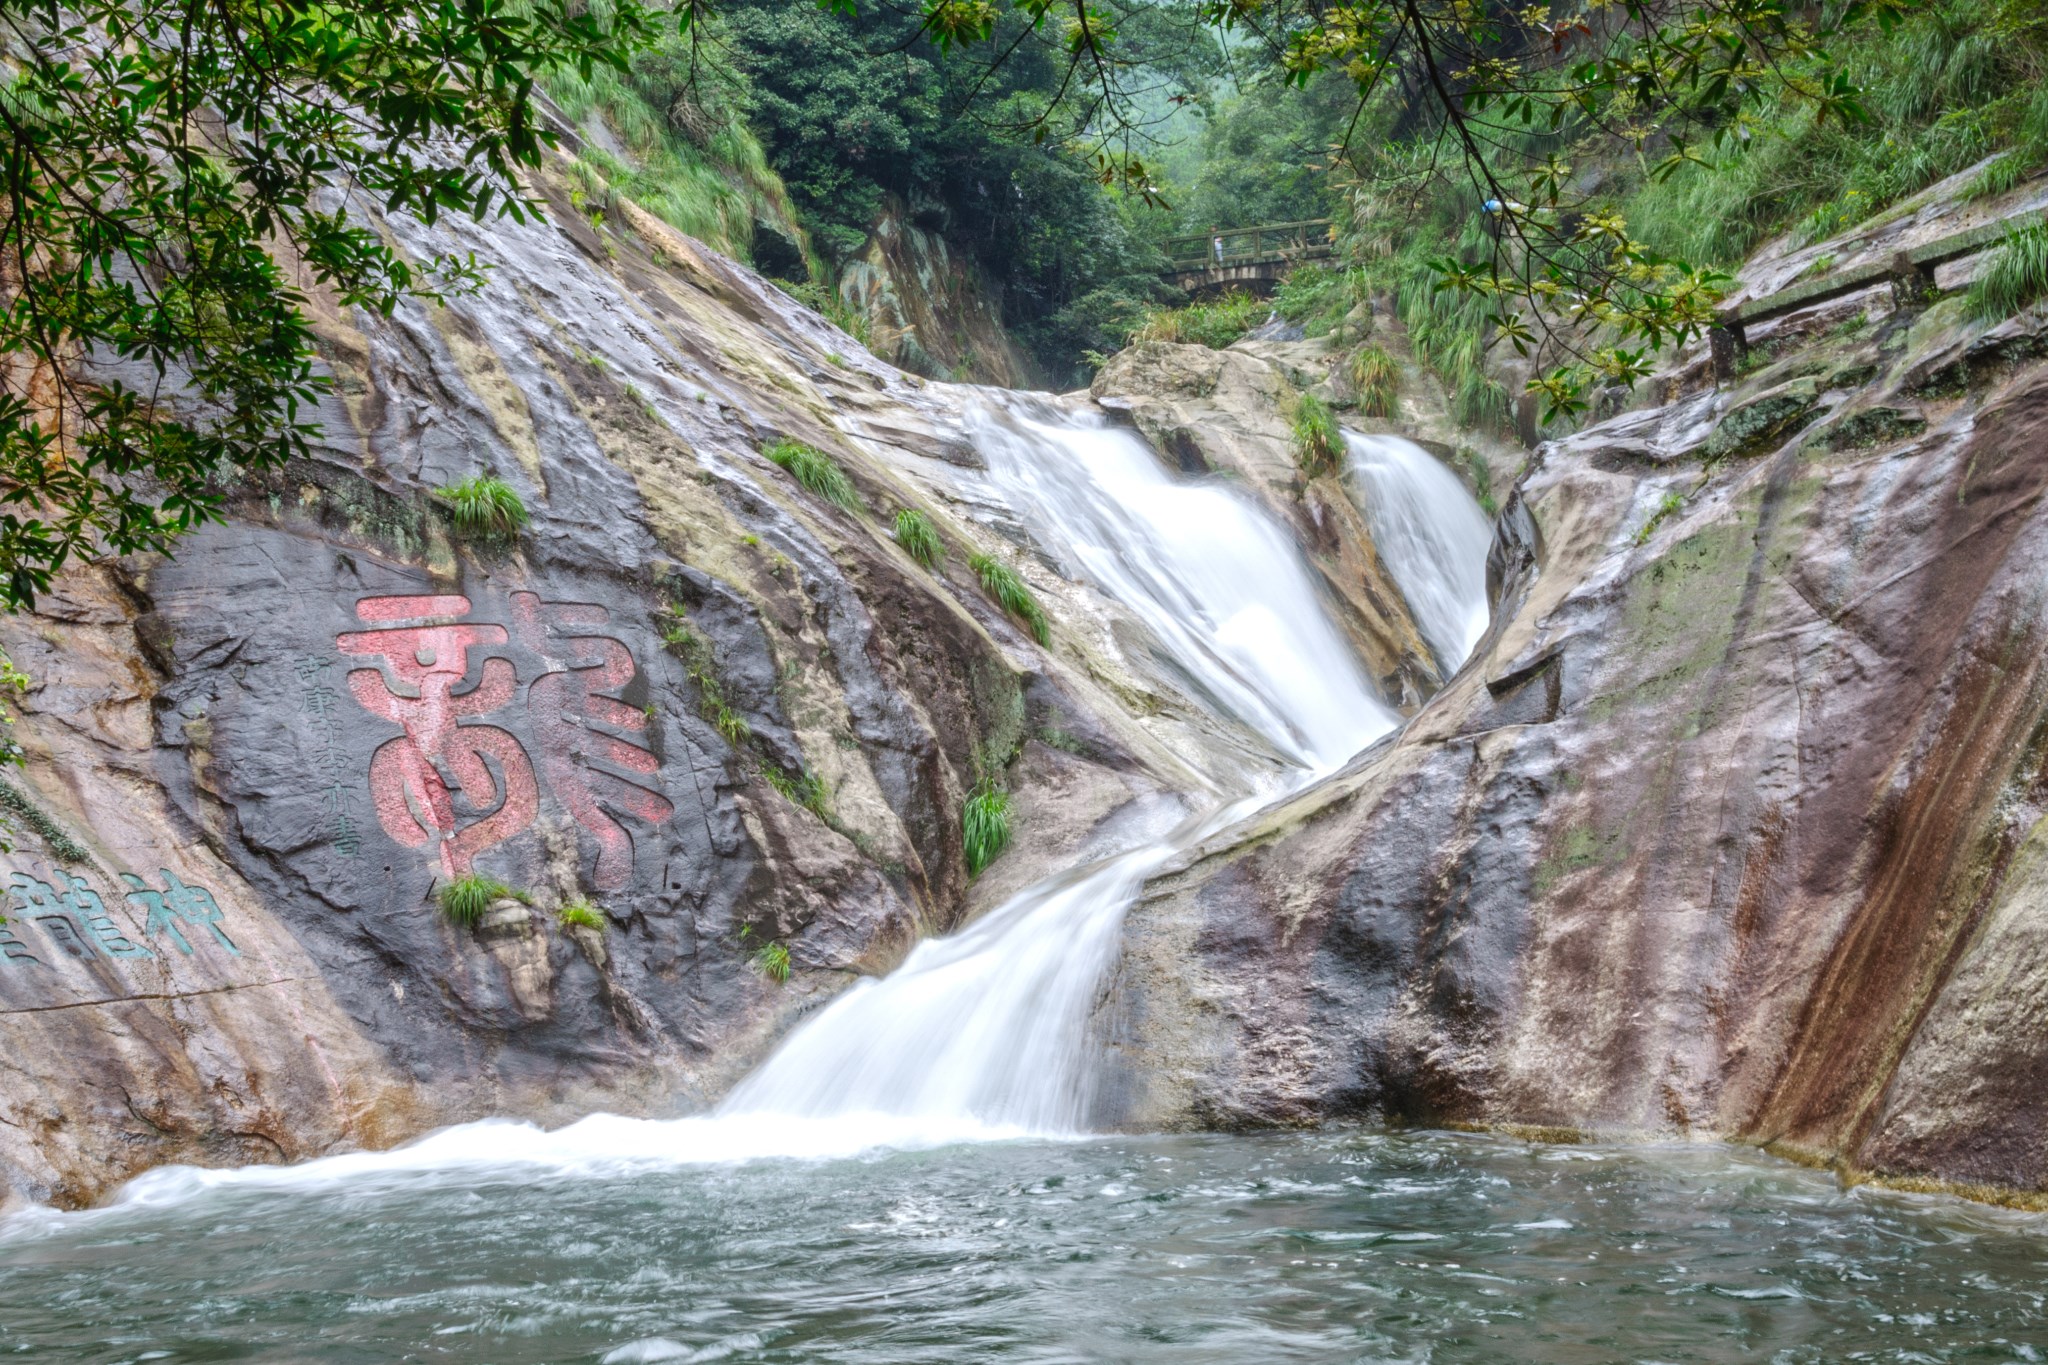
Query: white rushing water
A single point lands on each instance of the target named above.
(1432, 537)
(984, 1034)
(1218, 580)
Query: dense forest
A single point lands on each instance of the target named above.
(784, 133)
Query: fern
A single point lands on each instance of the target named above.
(814, 469)
(1001, 582)
(919, 538)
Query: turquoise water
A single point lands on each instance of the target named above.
(1331, 1247)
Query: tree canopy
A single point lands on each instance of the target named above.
(160, 163)
(170, 170)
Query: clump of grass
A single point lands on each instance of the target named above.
(465, 899)
(1001, 582)
(1665, 510)
(805, 789)
(1377, 377)
(985, 827)
(1214, 323)
(580, 914)
(919, 538)
(483, 507)
(771, 959)
(2016, 276)
(695, 652)
(815, 470)
(1318, 440)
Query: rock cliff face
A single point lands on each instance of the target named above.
(928, 308)
(1733, 826)
(723, 711)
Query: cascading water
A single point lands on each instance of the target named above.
(1217, 580)
(991, 1024)
(1432, 537)
(984, 1034)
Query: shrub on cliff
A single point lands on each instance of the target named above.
(158, 154)
(1214, 323)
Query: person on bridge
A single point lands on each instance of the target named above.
(1218, 244)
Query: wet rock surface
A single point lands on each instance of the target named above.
(723, 713)
(1731, 828)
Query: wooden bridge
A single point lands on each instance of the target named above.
(1253, 258)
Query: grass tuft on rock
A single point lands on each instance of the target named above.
(804, 789)
(772, 961)
(1318, 440)
(2016, 276)
(580, 914)
(1001, 582)
(817, 472)
(465, 899)
(483, 507)
(695, 652)
(1377, 377)
(919, 538)
(985, 827)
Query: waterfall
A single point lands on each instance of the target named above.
(984, 1034)
(1218, 581)
(990, 1025)
(1431, 536)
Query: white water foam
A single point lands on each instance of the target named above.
(1217, 580)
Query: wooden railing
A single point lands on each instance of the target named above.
(1243, 246)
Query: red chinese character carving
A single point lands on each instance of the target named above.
(563, 702)
(428, 659)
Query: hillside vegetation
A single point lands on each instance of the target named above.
(1955, 84)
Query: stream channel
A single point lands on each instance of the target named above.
(909, 1176)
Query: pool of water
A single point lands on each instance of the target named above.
(1321, 1247)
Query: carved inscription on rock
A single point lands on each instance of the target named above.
(67, 917)
(419, 651)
